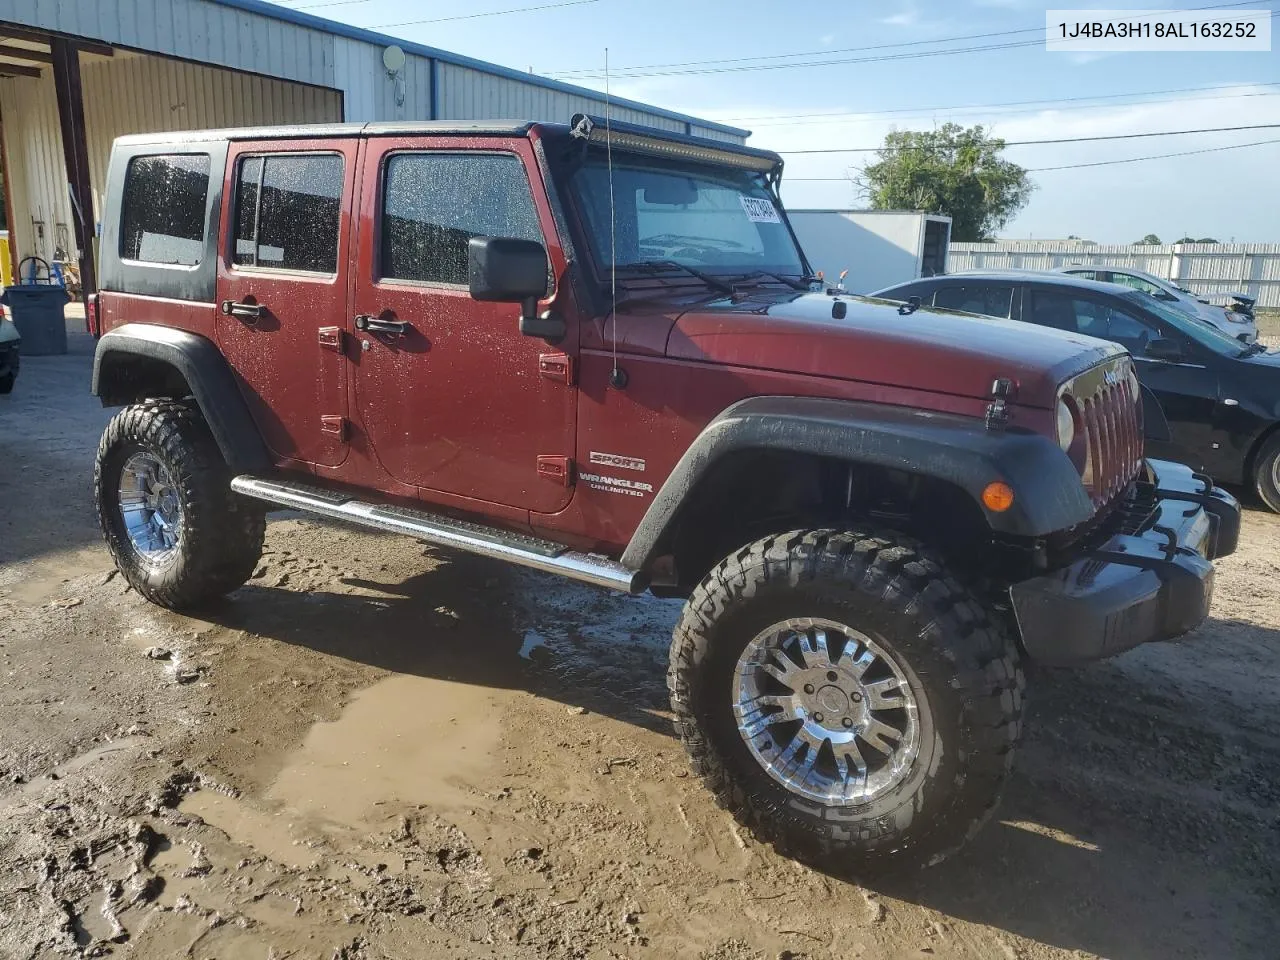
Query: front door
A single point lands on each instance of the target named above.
(452, 398)
(282, 291)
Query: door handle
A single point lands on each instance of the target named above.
(375, 325)
(245, 311)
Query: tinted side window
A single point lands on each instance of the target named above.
(288, 212)
(1146, 286)
(990, 300)
(163, 209)
(1084, 274)
(433, 204)
(1058, 309)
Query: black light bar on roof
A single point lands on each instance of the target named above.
(637, 139)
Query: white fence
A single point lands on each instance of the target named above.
(1209, 270)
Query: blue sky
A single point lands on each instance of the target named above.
(1225, 194)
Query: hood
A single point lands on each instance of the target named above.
(942, 350)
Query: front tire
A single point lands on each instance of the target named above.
(846, 699)
(163, 495)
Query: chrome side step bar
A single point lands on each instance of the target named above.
(527, 551)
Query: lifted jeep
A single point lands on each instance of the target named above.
(875, 512)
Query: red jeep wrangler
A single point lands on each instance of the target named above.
(595, 350)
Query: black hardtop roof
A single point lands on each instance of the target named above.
(401, 128)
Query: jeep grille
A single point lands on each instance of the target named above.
(1108, 446)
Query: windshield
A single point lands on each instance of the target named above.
(1198, 330)
(715, 219)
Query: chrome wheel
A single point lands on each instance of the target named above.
(826, 711)
(150, 508)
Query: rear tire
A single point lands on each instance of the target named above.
(1266, 473)
(6, 383)
(879, 601)
(178, 535)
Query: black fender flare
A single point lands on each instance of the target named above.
(1048, 493)
(207, 373)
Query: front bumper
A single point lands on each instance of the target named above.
(1152, 581)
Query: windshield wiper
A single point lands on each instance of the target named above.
(1253, 349)
(658, 266)
(795, 283)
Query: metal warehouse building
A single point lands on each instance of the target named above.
(76, 74)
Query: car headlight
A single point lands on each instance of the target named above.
(1066, 425)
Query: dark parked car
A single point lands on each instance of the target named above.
(1218, 400)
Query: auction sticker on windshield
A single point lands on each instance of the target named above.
(760, 210)
(1107, 31)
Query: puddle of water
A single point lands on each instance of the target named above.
(403, 742)
(46, 579)
(532, 641)
(270, 834)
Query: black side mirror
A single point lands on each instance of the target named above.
(507, 270)
(1164, 349)
(1166, 296)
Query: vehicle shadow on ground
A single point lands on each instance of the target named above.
(458, 622)
(49, 428)
(1122, 811)
(1131, 825)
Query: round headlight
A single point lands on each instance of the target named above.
(1066, 425)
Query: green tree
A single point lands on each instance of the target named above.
(1194, 240)
(1150, 240)
(953, 170)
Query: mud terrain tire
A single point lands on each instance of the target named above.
(962, 669)
(220, 536)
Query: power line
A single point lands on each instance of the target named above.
(993, 115)
(826, 52)
(1040, 104)
(491, 13)
(717, 66)
(1077, 166)
(1159, 156)
(1033, 143)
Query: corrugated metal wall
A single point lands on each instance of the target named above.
(217, 33)
(130, 94)
(1211, 270)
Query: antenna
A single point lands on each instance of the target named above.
(617, 377)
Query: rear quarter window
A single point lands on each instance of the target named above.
(163, 209)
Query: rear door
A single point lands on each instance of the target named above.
(282, 291)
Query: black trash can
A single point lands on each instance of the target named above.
(38, 311)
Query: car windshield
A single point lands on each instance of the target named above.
(718, 220)
(1198, 330)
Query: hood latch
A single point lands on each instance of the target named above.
(1002, 393)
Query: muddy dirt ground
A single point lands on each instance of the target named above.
(376, 750)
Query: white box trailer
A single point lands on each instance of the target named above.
(877, 247)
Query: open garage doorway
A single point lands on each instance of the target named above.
(64, 100)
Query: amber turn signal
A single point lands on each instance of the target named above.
(998, 497)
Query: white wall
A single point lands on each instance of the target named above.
(878, 248)
(1210, 270)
